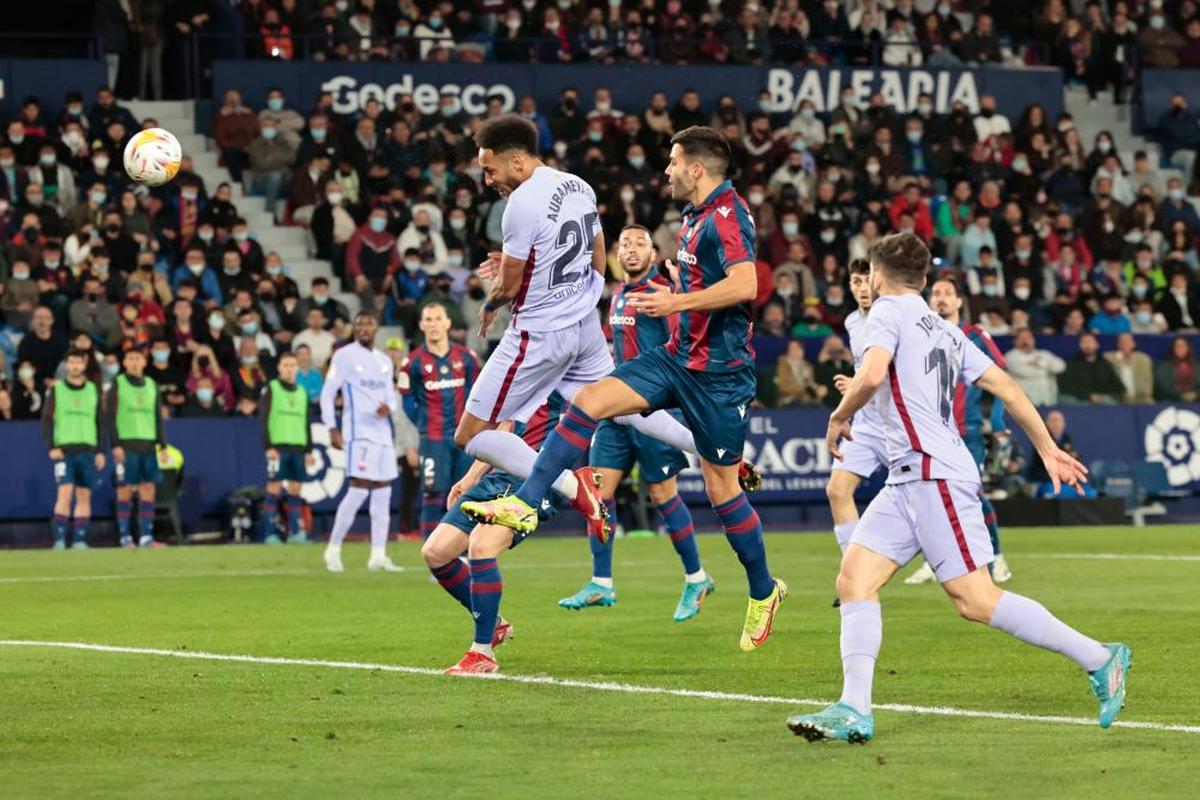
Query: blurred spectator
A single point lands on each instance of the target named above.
(288, 121)
(307, 374)
(42, 346)
(1146, 320)
(204, 400)
(169, 374)
(372, 260)
(207, 370)
(1111, 319)
(1089, 378)
(795, 379)
(1176, 378)
(1176, 207)
(1034, 370)
(1179, 305)
(1056, 424)
(811, 325)
(251, 375)
(94, 315)
(20, 295)
(1158, 44)
(270, 158)
(425, 237)
(234, 128)
(316, 339)
(1134, 368)
(833, 360)
(27, 392)
(332, 225)
(772, 321)
(336, 315)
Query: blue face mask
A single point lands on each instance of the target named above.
(595, 136)
(318, 134)
(275, 103)
(204, 395)
(160, 356)
(269, 133)
(250, 329)
(378, 224)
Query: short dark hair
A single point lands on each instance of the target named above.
(903, 258)
(859, 266)
(78, 352)
(705, 144)
(286, 354)
(634, 226)
(507, 132)
(370, 314)
(949, 278)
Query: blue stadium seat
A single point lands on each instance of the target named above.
(1102, 470)
(1151, 479)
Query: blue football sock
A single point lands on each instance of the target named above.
(453, 577)
(60, 525)
(989, 519)
(124, 510)
(486, 590)
(295, 510)
(145, 517)
(563, 448)
(270, 515)
(433, 507)
(678, 521)
(602, 552)
(744, 532)
(81, 529)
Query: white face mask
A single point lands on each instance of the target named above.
(334, 199)
(1021, 292)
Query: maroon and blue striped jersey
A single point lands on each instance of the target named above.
(435, 389)
(714, 236)
(634, 333)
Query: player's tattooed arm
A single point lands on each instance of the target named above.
(859, 391)
(1060, 465)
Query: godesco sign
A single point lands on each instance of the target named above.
(349, 96)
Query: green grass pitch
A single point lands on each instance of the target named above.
(93, 724)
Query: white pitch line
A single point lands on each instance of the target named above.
(596, 686)
(1114, 557)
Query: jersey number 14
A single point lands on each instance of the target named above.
(946, 367)
(576, 236)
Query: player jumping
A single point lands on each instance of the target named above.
(551, 270)
(435, 380)
(133, 416)
(616, 447)
(706, 370)
(865, 455)
(931, 503)
(284, 413)
(363, 376)
(475, 581)
(947, 300)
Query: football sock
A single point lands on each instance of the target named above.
(509, 452)
(295, 508)
(662, 426)
(454, 577)
(842, 532)
(1029, 621)
(81, 529)
(989, 519)
(59, 527)
(566, 445)
(347, 510)
(699, 576)
(744, 532)
(602, 552)
(433, 506)
(678, 521)
(486, 590)
(124, 511)
(270, 514)
(862, 634)
(145, 517)
(381, 518)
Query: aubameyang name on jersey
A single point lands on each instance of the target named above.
(929, 323)
(556, 200)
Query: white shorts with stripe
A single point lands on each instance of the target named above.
(371, 461)
(528, 365)
(941, 519)
(863, 455)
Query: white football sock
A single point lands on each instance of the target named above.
(347, 510)
(509, 452)
(662, 426)
(381, 500)
(699, 576)
(607, 583)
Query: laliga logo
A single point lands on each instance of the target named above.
(328, 473)
(349, 97)
(1173, 439)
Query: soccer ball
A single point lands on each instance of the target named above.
(152, 156)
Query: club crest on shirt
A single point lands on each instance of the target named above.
(429, 367)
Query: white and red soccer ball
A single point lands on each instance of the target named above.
(153, 156)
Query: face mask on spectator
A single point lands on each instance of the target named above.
(160, 356)
(249, 328)
(26, 373)
(110, 369)
(627, 196)
(791, 228)
(990, 290)
(435, 23)
(552, 26)
(48, 159)
(637, 162)
(872, 168)
(1143, 317)
(30, 233)
(241, 235)
(334, 198)
(1021, 292)
(454, 260)
(1175, 194)
(274, 269)
(20, 275)
(269, 133)
(458, 223)
(595, 136)
(1145, 263)
(74, 109)
(275, 103)
(378, 224)
(786, 291)
(913, 136)
(808, 113)
(204, 395)
(1104, 145)
(36, 200)
(216, 321)
(828, 236)
(51, 263)
(320, 298)
(101, 164)
(756, 198)
(16, 138)
(190, 195)
(195, 267)
(92, 297)
(1157, 22)
(6, 163)
(1023, 255)
(560, 149)
(799, 145)
(412, 264)
(1139, 290)
(318, 134)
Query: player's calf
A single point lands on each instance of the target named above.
(974, 596)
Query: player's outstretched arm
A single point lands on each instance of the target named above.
(740, 285)
(1061, 467)
(858, 393)
(599, 256)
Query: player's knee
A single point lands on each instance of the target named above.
(434, 552)
(661, 492)
(589, 400)
(836, 491)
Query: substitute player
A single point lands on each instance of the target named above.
(617, 448)
(475, 581)
(931, 503)
(947, 300)
(706, 370)
(363, 377)
(435, 380)
(867, 453)
(286, 418)
(551, 270)
(134, 430)
(71, 430)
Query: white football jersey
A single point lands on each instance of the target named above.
(364, 378)
(551, 223)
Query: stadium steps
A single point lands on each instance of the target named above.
(179, 117)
